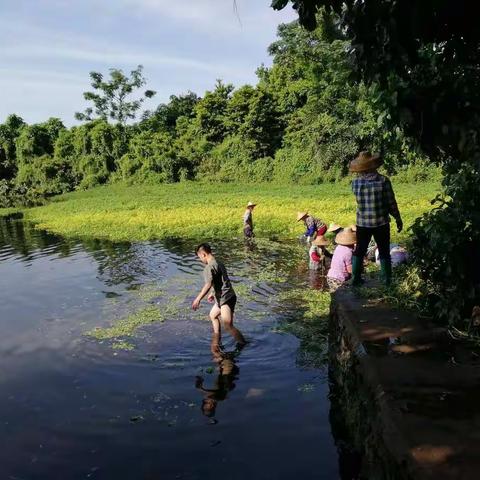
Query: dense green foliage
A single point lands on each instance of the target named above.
(303, 121)
(427, 54)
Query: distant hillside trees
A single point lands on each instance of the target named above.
(307, 116)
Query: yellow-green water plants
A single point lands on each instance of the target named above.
(202, 211)
(126, 326)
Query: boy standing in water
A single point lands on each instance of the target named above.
(375, 203)
(216, 277)
(248, 220)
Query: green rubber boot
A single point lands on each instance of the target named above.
(357, 264)
(386, 271)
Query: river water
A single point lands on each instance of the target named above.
(75, 407)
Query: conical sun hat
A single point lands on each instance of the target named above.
(320, 241)
(346, 237)
(364, 162)
(334, 227)
(251, 204)
(301, 215)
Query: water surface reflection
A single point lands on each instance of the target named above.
(74, 407)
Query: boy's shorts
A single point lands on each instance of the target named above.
(248, 232)
(231, 302)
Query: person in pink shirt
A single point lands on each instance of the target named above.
(341, 266)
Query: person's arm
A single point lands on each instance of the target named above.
(348, 265)
(206, 288)
(327, 253)
(392, 204)
(310, 230)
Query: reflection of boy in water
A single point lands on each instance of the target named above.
(224, 383)
(216, 278)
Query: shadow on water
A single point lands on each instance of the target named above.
(77, 407)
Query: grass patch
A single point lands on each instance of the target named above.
(122, 345)
(309, 324)
(127, 326)
(208, 211)
(406, 291)
(313, 304)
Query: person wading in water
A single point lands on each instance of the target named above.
(224, 297)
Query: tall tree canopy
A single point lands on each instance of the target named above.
(112, 99)
(426, 56)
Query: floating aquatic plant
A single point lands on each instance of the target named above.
(126, 327)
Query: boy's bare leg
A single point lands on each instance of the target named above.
(227, 319)
(217, 336)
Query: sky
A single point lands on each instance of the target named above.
(48, 48)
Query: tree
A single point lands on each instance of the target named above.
(210, 112)
(37, 140)
(9, 132)
(426, 56)
(425, 53)
(112, 99)
(165, 116)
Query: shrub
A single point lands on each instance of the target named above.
(446, 248)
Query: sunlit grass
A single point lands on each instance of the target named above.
(209, 211)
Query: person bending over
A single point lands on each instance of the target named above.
(314, 226)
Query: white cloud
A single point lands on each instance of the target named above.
(217, 16)
(116, 57)
(48, 48)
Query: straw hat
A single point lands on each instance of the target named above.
(251, 204)
(334, 227)
(346, 237)
(353, 228)
(320, 241)
(364, 162)
(301, 215)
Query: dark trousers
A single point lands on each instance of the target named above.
(381, 236)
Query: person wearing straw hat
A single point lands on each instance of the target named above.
(314, 226)
(318, 253)
(375, 204)
(341, 267)
(248, 220)
(334, 229)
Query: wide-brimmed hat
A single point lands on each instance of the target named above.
(334, 227)
(365, 161)
(251, 204)
(320, 241)
(301, 215)
(353, 228)
(346, 237)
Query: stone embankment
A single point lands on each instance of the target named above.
(408, 394)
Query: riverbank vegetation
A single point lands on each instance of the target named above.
(302, 123)
(331, 91)
(433, 72)
(205, 211)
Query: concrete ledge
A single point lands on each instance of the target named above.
(408, 393)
